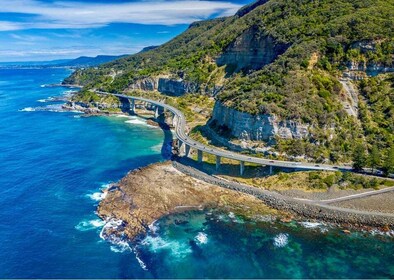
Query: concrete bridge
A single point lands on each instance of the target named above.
(185, 143)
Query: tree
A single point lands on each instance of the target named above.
(389, 162)
(374, 158)
(359, 157)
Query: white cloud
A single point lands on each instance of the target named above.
(10, 26)
(46, 52)
(89, 15)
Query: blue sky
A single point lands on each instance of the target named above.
(32, 30)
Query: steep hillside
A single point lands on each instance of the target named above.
(275, 70)
(86, 61)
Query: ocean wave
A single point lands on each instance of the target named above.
(28, 109)
(97, 196)
(137, 121)
(53, 99)
(157, 148)
(281, 240)
(154, 227)
(122, 116)
(177, 249)
(112, 225)
(315, 225)
(57, 108)
(120, 246)
(89, 225)
(202, 238)
(310, 224)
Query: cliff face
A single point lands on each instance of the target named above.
(164, 85)
(176, 87)
(250, 51)
(245, 126)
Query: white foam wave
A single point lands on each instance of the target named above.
(140, 261)
(27, 109)
(310, 224)
(89, 225)
(97, 196)
(137, 122)
(110, 224)
(157, 148)
(154, 227)
(120, 247)
(281, 240)
(202, 238)
(105, 186)
(177, 249)
(50, 108)
(42, 100)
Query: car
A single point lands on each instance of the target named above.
(316, 165)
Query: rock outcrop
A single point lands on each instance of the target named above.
(147, 194)
(251, 51)
(169, 86)
(266, 127)
(176, 87)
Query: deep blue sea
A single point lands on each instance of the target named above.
(53, 165)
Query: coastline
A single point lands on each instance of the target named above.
(152, 192)
(130, 220)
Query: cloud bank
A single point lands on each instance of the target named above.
(77, 15)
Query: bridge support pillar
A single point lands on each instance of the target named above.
(133, 106)
(218, 159)
(174, 120)
(156, 112)
(181, 148)
(187, 150)
(242, 167)
(199, 156)
(271, 170)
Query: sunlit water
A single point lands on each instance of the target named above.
(53, 165)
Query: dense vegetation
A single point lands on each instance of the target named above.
(317, 180)
(322, 38)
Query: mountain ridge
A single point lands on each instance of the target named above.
(279, 59)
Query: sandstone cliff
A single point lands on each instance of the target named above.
(245, 126)
(169, 86)
(250, 51)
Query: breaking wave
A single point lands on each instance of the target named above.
(202, 238)
(281, 240)
(89, 225)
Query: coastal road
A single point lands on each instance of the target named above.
(180, 133)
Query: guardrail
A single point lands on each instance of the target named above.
(180, 128)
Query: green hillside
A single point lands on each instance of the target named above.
(284, 57)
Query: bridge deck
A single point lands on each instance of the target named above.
(180, 133)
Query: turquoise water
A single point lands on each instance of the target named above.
(53, 165)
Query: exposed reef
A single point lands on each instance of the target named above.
(147, 194)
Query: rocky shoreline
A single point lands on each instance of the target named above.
(150, 193)
(147, 194)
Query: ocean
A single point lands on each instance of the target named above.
(53, 165)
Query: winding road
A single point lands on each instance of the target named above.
(180, 133)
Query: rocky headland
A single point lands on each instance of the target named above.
(147, 194)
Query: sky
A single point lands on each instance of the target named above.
(40, 30)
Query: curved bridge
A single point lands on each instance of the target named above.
(179, 123)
